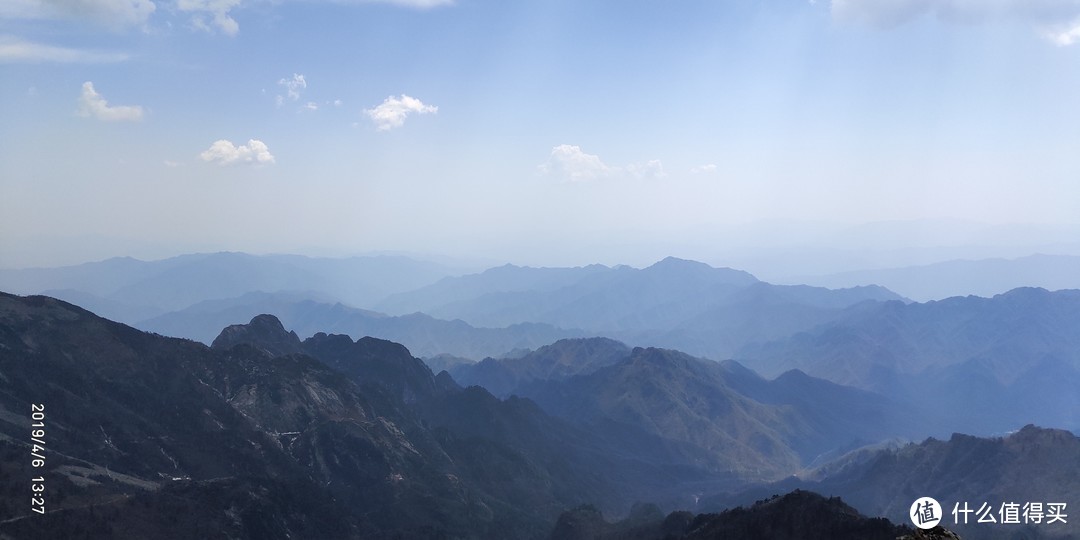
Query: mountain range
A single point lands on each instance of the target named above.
(266, 435)
(674, 303)
(424, 335)
(130, 290)
(706, 381)
(148, 432)
(991, 364)
(971, 277)
(727, 416)
(799, 515)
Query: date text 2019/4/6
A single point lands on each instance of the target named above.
(37, 456)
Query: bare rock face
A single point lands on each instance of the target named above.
(265, 332)
(937, 533)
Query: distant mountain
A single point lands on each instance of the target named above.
(1030, 465)
(503, 279)
(983, 277)
(595, 298)
(674, 303)
(757, 313)
(988, 364)
(799, 515)
(446, 362)
(560, 360)
(131, 290)
(422, 334)
(730, 418)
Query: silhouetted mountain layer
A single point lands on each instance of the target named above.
(263, 435)
(722, 417)
(422, 334)
(558, 361)
(981, 364)
(674, 303)
(799, 515)
(131, 290)
(984, 277)
(1031, 465)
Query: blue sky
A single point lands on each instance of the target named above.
(555, 132)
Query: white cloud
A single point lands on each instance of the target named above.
(293, 86)
(92, 104)
(224, 152)
(310, 106)
(14, 49)
(391, 113)
(572, 163)
(171, 164)
(418, 4)
(1058, 20)
(205, 15)
(704, 169)
(216, 10)
(1063, 35)
(650, 169)
(115, 13)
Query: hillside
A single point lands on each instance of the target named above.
(989, 364)
(799, 515)
(257, 437)
(1031, 465)
(733, 419)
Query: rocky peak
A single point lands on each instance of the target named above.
(264, 332)
(370, 360)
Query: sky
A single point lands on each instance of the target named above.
(543, 132)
